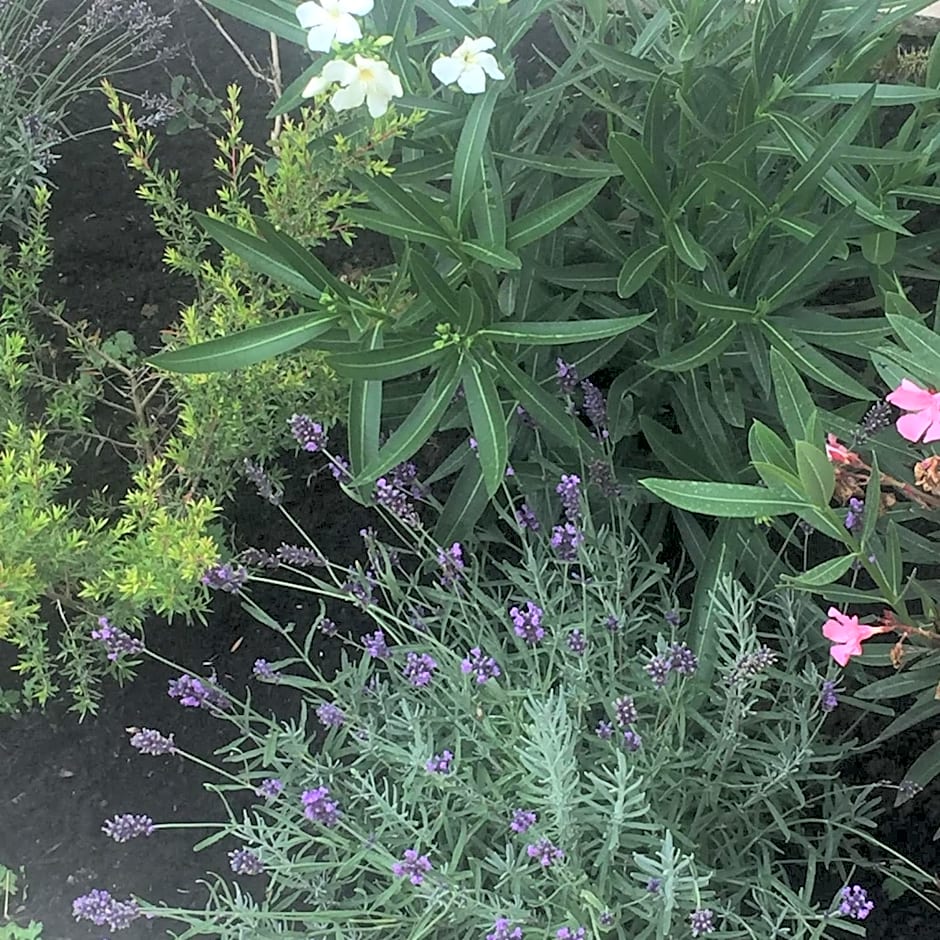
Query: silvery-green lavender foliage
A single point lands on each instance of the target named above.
(524, 747)
(46, 65)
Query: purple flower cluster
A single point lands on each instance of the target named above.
(678, 657)
(702, 922)
(480, 666)
(855, 514)
(375, 645)
(319, 807)
(577, 642)
(412, 866)
(526, 518)
(308, 433)
(328, 627)
(654, 885)
(116, 642)
(128, 826)
(100, 908)
(565, 541)
(569, 491)
(601, 475)
(262, 669)
(631, 740)
(419, 669)
(522, 820)
(451, 565)
(595, 408)
(604, 730)
(504, 930)
(339, 467)
(194, 693)
(566, 933)
(545, 851)
(330, 715)
(270, 789)
(397, 502)
(148, 741)
(440, 763)
(828, 700)
(567, 376)
(245, 862)
(855, 903)
(528, 624)
(299, 556)
(229, 578)
(626, 712)
(267, 488)
(750, 665)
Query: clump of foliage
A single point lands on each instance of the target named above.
(527, 743)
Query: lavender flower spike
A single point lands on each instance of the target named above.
(308, 433)
(115, 641)
(128, 826)
(412, 866)
(148, 741)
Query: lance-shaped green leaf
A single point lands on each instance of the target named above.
(711, 342)
(444, 14)
(303, 261)
(552, 334)
(673, 450)
(881, 94)
(402, 228)
(623, 65)
(257, 254)
(715, 306)
(464, 505)
(435, 290)
(413, 433)
(487, 205)
(766, 446)
(546, 218)
(388, 362)
(812, 363)
(497, 258)
(467, 177)
(265, 15)
(808, 261)
(365, 413)
(488, 422)
(590, 276)
(407, 208)
(807, 177)
(239, 350)
(683, 242)
(546, 410)
(822, 575)
(570, 167)
(922, 342)
(793, 398)
(639, 268)
(638, 169)
(733, 180)
(725, 500)
(816, 473)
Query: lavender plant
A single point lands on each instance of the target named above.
(47, 63)
(523, 746)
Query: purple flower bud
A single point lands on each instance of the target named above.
(631, 740)
(330, 715)
(100, 908)
(481, 667)
(116, 642)
(595, 408)
(270, 789)
(626, 712)
(375, 646)
(412, 866)
(565, 541)
(440, 763)
(419, 669)
(567, 376)
(577, 642)
(194, 693)
(528, 624)
(148, 741)
(226, 578)
(504, 930)
(604, 730)
(522, 820)
(245, 862)
(658, 669)
(127, 826)
(569, 490)
(262, 669)
(545, 851)
(526, 518)
(450, 562)
(855, 903)
(307, 432)
(267, 488)
(828, 700)
(702, 922)
(320, 807)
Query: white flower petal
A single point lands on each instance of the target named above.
(377, 101)
(349, 97)
(320, 38)
(489, 65)
(316, 86)
(472, 80)
(357, 7)
(446, 69)
(338, 70)
(310, 14)
(347, 29)
(481, 44)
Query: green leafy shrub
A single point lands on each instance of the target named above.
(531, 740)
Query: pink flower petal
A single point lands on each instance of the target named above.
(910, 397)
(913, 427)
(842, 654)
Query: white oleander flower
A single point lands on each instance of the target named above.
(364, 80)
(468, 65)
(462, 3)
(329, 20)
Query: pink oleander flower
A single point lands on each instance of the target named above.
(924, 405)
(838, 452)
(847, 635)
